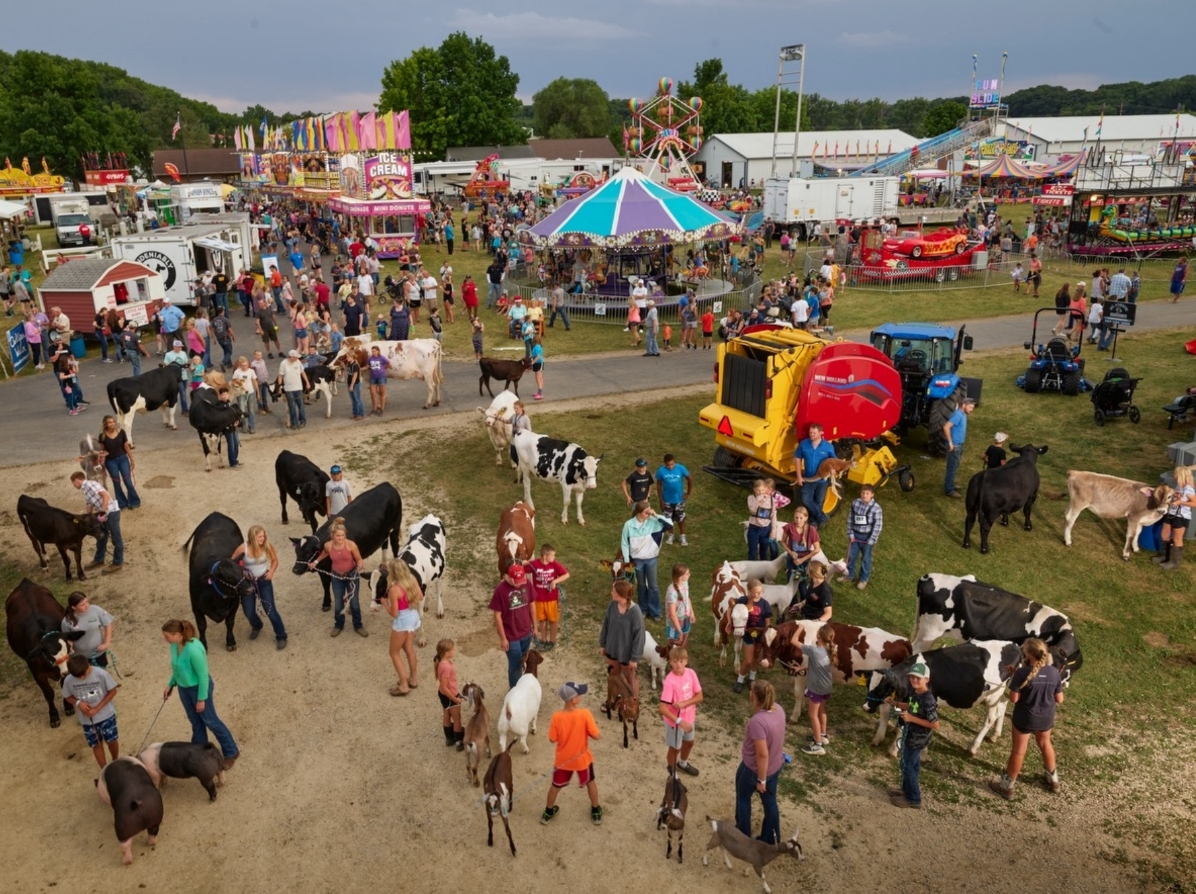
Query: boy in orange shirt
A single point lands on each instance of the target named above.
(571, 729)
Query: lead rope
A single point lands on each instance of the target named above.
(151, 726)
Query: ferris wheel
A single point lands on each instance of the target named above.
(665, 133)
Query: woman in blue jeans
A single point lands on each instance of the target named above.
(119, 463)
(760, 767)
(258, 557)
(189, 672)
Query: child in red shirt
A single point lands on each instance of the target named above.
(707, 329)
(547, 577)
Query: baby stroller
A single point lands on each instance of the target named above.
(1114, 397)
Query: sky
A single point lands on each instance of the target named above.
(295, 56)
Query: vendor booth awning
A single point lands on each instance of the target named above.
(217, 244)
(12, 209)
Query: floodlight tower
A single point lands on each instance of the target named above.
(794, 53)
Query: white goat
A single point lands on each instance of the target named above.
(656, 662)
(522, 705)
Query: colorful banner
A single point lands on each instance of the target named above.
(379, 177)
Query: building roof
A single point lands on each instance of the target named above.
(582, 147)
(198, 162)
(759, 145)
(477, 153)
(1070, 129)
(85, 274)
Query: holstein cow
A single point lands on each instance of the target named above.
(1139, 504)
(417, 358)
(34, 628)
(154, 389)
(1001, 490)
(304, 482)
(44, 524)
(961, 676)
(551, 459)
(860, 650)
(965, 608)
(424, 554)
(323, 382)
(217, 582)
(509, 372)
(497, 418)
(516, 539)
(730, 619)
(372, 521)
(212, 419)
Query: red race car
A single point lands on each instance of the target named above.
(944, 241)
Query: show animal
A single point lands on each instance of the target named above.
(620, 701)
(304, 482)
(218, 584)
(497, 419)
(1001, 490)
(321, 378)
(730, 619)
(551, 459)
(516, 538)
(832, 469)
(126, 786)
(522, 704)
(1107, 497)
(417, 358)
(184, 760)
(33, 620)
(152, 390)
(212, 419)
(477, 730)
(655, 658)
(45, 524)
(499, 789)
(509, 372)
(671, 813)
(755, 853)
(424, 554)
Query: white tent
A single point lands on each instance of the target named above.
(12, 209)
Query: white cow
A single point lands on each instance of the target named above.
(498, 420)
(552, 459)
(418, 358)
(1139, 504)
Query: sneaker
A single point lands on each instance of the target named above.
(688, 768)
(336, 631)
(684, 542)
(998, 786)
(596, 815)
(738, 687)
(862, 585)
(73, 412)
(83, 405)
(900, 801)
(361, 631)
(1054, 786)
(669, 540)
(549, 815)
(107, 361)
(813, 748)
(282, 644)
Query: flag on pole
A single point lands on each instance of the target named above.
(975, 61)
(251, 142)
(836, 148)
(814, 154)
(237, 138)
(890, 152)
(402, 130)
(1177, 108)
(265, 126)
(352, 131)
(178, 125)
(1101, 123)
(368, 129)
(1004, 59)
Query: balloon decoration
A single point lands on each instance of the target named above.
(695, 103)
(635, 105)
(666, 131)
(666, 86)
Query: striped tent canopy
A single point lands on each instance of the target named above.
(1007, 166)
(629, 211)
(1065, 168)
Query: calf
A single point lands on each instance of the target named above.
(620, 568)
(509, 372)
(217, 583)
(729, 617)
(125, 786)
(1139, 504)
(497, 419)
(304, 482)
(671, 813)
(213, 419)
(1001, 490)
(477, 730)
(44, 524)
(551, 459)
(34, 629)
(755, 853)
(515, 542)
(152, 390)
(522, 705)
(499, 788)
(322, 380)
(621, 701)
(184, 760)
(962, 676)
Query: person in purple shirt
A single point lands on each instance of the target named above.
(762, 757)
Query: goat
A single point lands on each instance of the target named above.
(522, 705)
(831, 469)
(760, 569)
(734, 843)
(621, 700)
(477, 730)
(672, 813)
(656, 657)
(500, 792)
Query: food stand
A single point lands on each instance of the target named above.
(376, 191)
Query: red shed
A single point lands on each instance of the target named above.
(85, 285)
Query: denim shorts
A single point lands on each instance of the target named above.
(406, 621)
(104, 729)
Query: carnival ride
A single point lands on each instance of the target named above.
(665, 133)
(945, 255)
(1129, 229)
(485, 182)
(918, 244)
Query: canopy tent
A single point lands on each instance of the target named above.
(927, 174)
(12, 209)
(1065, 168)
(629, 211)
(1006, 166)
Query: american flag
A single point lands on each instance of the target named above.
(178, 125)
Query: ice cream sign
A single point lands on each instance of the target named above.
(388, 176)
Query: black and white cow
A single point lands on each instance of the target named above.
(322, 379)
(1001, 490)
(212, 419)
(46, 524)
(962, 677)
(552, 459)
(34, 628)
(304, 482)
(968, 609)
(424, 554)
(217, 582)
(372, 521)
(154, 389)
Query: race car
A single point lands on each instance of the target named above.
(944, 241)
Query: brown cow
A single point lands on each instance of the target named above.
(1108, 497)
(729, 618)
(516, 540)
(509, 372)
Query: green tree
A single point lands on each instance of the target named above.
(944, 116)
(459, 94)
(726, 107)
(575, 107)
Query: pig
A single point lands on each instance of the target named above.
(125, 786)
(183, 760)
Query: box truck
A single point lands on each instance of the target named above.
(182, 254)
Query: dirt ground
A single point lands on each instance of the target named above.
(344, 788)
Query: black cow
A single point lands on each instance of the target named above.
(304, 482)
(212, 419)
(509, 372)
(371, 521)
(217, 582)
(47, 524)
(35, 635)
(1001, 490)
(157, 388)
(321, 378)
(968, 609)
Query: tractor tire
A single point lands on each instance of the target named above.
(1033, 382)
(940, 415)
(724, 458)
(905, 478)
(1071, 384)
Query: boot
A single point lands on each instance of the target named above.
(1177, 558)
(1164, 556)
(449, 739)
(1003, 787)
(1051, 780)
(459, 739)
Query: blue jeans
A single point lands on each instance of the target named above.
(227, 348)
(220, 299)
(202, 723)
(111, 530)
(745, 788)
(564, 318)
(757, 541)
(207, 351)
(338, 601)
(493, 291)
(70, 393)
(295, 408)
(278, 306)
(1106, 336)
(233, 439)
(184, 390)
(357, 407)
(954, 458)
(246, 404)
(263, 396)
(649, 591)
(265, 595)
(813, 497)
(516, 649)
(911, 767)
(864, 551)
(135, 360)
(650, 345)
(120, 471)
(99, 334)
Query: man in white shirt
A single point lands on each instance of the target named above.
(1119, 285)
(294, 383)
(365, 285)
(430, 284)
(800, 312)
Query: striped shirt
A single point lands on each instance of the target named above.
(94, 494)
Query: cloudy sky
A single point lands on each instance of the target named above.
(294, 56)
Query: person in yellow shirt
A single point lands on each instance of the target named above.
(571, 729)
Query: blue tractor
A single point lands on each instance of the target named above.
(1057, 364)
(927, 356)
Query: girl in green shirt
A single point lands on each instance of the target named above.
(189, 672)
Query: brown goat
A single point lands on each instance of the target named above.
(757, 854)
(672, 813)
(619, 699)
(500, 792)
(477, 731)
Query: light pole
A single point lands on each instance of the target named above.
(793, 53)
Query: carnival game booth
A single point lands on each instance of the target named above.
(83, 286)
(377, 197)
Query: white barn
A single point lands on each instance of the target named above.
(1131, 133)
(730, 159)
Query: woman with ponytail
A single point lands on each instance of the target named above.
(1035, 690)
(189, 672)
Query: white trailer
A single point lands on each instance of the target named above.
(806, 202)
(202, 198)
(180, 255)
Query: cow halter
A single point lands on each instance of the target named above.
(48, 635)
(214, 582)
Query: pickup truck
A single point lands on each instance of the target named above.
(74, 228)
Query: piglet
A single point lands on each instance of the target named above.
(183, 760)
(125, 786)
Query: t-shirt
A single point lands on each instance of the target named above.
(92, 622)
(926, 706)
(640, 485)
(817, 601)
(678, 688)
(959, 427)
(514, 603)
(818, 668)
(114, 446)
(571, 730)
(758, 614)
(769, 726)
(812, 456)
(1035, 708)
(91, 689)
(994, 456)
(339, 493)
(672, 483)
(378, 365)
(1187, 492)
(220, 281)
(708, 322)
(543, 576)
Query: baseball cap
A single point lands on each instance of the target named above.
(1000, 437)
(516, 573)
(177, 343)
(968, 400)
(570, 691)
(518, 297)
(165, 300)
(335, 470)
(641, 462)
(292, 353)
(920, 670)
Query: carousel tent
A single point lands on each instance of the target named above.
(626, 212)
(1007, 166)
(1065, 168)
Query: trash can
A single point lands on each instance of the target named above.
(77, 346)
(979, 260)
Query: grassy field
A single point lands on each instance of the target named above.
(1136, 623)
